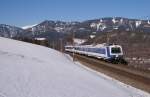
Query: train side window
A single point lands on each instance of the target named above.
(100, 50)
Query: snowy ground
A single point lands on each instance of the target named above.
(28, 70)
(79, 41)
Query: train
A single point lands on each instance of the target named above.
(108, 52)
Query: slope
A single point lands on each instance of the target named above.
(28, 70)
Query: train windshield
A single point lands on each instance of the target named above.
(115, 50)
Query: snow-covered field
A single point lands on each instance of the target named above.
(28, 70)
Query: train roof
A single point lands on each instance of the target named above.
(93, 45)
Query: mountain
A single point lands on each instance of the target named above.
(86, 28)
(81, 30)
(49, 25)
(10, 31)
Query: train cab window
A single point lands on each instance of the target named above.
(115, 50)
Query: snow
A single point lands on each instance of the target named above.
(101, 20)
(93, 25)
(114, 20)
(79, 41)
(138, 23)
(28, 26)
(99, 26)
(115, 27)
(58, 29)
(92, 36)
(40, 38)
(121, 20)
(28, 70)
(148, 22)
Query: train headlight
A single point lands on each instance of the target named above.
(117, 56)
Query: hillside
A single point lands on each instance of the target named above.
(82, 29)
(28, 70)
(132, 34)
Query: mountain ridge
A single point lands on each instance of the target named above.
(106, 24)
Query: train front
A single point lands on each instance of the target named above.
(115, 54)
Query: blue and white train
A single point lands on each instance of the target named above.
(111, 53)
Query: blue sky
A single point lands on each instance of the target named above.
(27, 12)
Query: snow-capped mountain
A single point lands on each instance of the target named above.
(85, 28)
(81, 29)
(119, 23)
(55, 26)
(10, 31)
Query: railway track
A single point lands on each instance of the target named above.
(137, 78)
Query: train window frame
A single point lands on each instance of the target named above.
(121, 53)
(115, 50)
